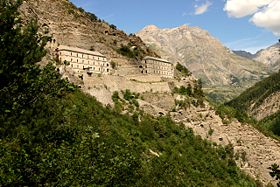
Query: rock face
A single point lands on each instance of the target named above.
(270, 57)
(205, 56)
(268, 107)
(254, 152)
(72, 26)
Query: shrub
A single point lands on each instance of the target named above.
(182, 69)
(113, 64)
(126, 51)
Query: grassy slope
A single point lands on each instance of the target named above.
(257, 93)
(76, 141)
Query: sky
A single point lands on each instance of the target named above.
(248, 25)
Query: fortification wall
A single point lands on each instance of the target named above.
(117, 83)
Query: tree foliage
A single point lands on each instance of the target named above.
(275, 173)
(183, 70)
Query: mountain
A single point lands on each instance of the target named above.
(69, 25)
(261, 100)
(269, 57)
(244, 54)
(223, 73)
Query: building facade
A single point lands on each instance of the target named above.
(157, 66)
(81, 60)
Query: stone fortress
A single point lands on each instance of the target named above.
(92, 62)
(157, 66)
(81, 60)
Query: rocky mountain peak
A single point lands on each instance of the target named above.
(269, 57)
(150, 28)
(206, 57)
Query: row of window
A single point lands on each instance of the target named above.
(87, 62)
(84, 56)
(162, 72)
(89, 67)
(157, 62)
(160, 67)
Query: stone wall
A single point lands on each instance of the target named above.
(117, 83)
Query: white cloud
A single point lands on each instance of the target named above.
(241, 8)
(264, 13)
(203, 8)
(269, 17)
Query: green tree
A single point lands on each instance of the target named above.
(275, 173)
(20, 49)
(23, 84)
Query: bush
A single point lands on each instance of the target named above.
(183, 90)
(183, 70)
(126, 51)
(113, 64)
(114, 27)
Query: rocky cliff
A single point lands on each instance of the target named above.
(270, 57)
(73, 26)
(219, 68)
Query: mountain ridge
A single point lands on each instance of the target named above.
(205, 56)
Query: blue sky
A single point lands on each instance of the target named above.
(232, 27)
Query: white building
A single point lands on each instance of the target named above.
(157, 66)
(81, 60)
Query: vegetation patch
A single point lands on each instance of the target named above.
(183, 70)
(130, 52)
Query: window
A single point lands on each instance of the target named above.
(71, 53)
(77, 60)
(71, 59)
(72, 65)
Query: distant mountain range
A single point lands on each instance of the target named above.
(244, 54)
(223, 73)
(270, 56)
